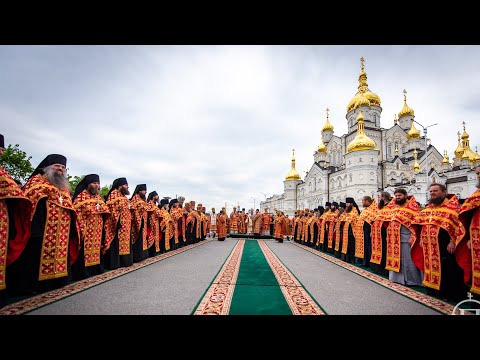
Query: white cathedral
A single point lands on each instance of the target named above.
(369, 159)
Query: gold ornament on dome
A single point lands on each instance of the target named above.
(413, 133)
(327, 126)
(293, 173)
(363, 91)
(406, 110)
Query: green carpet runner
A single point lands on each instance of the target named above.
(257, 291)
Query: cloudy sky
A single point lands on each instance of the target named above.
(217, 124)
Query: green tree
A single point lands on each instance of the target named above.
(16, 163)
(104, 190)
(74, 180)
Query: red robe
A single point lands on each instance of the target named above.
(11, 247)
(91, 213)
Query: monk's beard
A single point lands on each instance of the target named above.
(143, 197)
(436, 201)
(58, 180)
(93, 190)
(124, 191)
(400, 201)
(348, 209)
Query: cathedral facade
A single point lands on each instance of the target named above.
(369, 159)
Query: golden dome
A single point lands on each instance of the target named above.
(327, 126)
(445, 160)
(361, 140)
(413, 133)
(362, 101)
(321, 148)
(363, 91)
(406, 110)
(459, 150)
(465, 155)
(293, 173)
(467, 152)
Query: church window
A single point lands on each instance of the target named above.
(389, 150)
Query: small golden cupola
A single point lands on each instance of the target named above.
(477, 157)
(406, 110)
(466, 146)
(361, 140)
(459, 150)
(416, 167)
(445, 160)
(328, 126)
(321, 148)
(413, 133)
(293, 173)
(363, 91)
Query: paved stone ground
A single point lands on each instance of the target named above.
(172, 286)
(342, 292)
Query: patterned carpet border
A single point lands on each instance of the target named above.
(298, 299)
(23, 306)
(424, 299)
(218, 298)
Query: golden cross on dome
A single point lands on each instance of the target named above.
(404, 95)
(458, 133)
(293, 152)
(463, 125)
(327, 111)
(362, 61)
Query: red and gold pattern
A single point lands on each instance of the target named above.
(338, 233)
(22, 207)
(266, 218)
(432, 219)
(176, 215)
(119, 207)
(32, 303)
(330, 222)
(218, 297)
(166, 224)
(352, 219)
(59, 246)
(400, 215)
(153, 231)
(438, 305)
(299, 301)
(470, 216)
(221, 225)
(4, 223)
(140, 210)
(369, 213)
(376, 233)
(91, 211)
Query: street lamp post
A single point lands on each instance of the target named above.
(253, 202)
(427, 178)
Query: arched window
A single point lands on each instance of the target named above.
(375, 118)
(389, 150)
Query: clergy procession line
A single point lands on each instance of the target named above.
(51, 236)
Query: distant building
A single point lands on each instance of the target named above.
(369, 159)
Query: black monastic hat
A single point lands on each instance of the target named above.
(342, 204)
(328, 203)
(349, 200)
(334, 204)
(151, 195)
(116, 183)
(138, 188)
(173, 201)
(50, 160)
(2, 142)
(83, 184)
(163, 202)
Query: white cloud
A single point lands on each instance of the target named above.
(217, 124)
